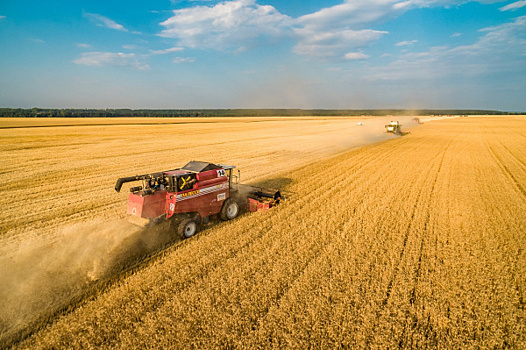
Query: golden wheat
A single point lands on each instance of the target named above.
(412, 243)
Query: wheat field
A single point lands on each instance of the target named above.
(411, 242)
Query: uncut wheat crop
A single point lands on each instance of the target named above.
(412, 242)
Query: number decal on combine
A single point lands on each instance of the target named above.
(172, 206)
(221, 173)
(221, 197)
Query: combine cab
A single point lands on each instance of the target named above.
(190, 195)
(394, 127)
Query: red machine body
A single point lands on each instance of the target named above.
(191, 194)
(150, 206)
(204, 195)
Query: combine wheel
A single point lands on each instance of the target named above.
(187, 228)
(230, 210)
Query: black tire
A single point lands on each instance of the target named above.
(230, 210)
(187, 228)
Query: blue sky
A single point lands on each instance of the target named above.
(263, 54)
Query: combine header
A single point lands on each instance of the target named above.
(190, 195)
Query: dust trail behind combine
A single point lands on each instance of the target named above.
(45, 274)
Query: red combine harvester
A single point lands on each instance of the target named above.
(190, 195)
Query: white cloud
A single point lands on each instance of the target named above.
(226, 25)
(455, 35)
(352, 14)
(95, 58)
(406, 43)
(183, 59)
(333, 44)
(329, 33)
(506, 38)
(502, 48)
(445, 3)
(240, 24)
(334, 31)
(83, 45)
(2, 17)
(514, 6)
(355, 56)
(102, 21)
(165, 51)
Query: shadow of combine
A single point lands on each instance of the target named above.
(142, 244)
(275, 184)
(280, 183)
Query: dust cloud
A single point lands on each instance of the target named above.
(364, 131)
(41, 275)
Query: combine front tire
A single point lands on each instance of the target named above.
(187, 228)
(230, 210)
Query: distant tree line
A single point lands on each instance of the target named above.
(174, 113)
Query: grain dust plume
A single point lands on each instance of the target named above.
(42, 274)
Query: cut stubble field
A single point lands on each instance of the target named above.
(413, 242)
(57, 171)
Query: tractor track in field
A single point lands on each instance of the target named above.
(412, 298)
(426, 222)
(381, 306)
(507, 148)
(402, 250)
(388, 291)
(321, 253)
(512, 154)
(506, 171)
(306, 273)
(516, 132)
